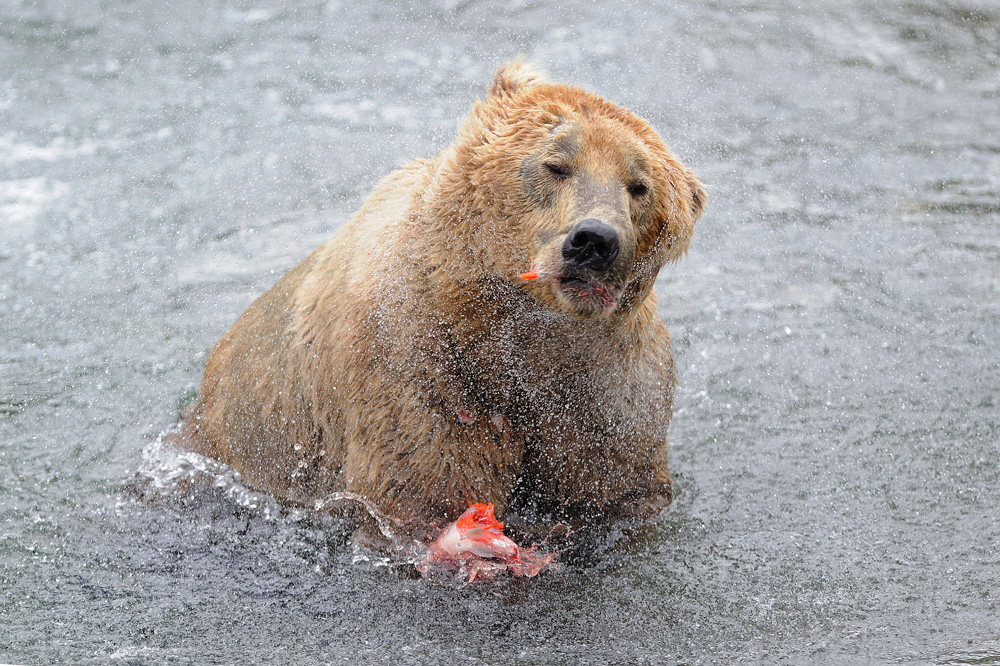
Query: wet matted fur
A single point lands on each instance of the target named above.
(409, 361)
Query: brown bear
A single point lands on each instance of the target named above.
(483, 329)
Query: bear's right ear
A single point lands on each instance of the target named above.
(512, 77)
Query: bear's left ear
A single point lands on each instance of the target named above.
(677, 227)
(514, 76)
(698, 196)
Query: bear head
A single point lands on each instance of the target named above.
(571, 197)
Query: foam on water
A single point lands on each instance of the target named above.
(22, 200)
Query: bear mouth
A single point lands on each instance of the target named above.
(586, 293)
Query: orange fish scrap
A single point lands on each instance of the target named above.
(477, 546)
(531, 274)
(473, 546)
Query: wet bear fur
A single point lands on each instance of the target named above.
(408, 361)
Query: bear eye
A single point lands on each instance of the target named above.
(638, 189)
(560, 171)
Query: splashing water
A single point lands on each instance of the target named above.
(471, 547)
(168, 471)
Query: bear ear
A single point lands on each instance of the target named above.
(678, 227)
(514, 76)
(698, 196)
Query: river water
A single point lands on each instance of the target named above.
(836, 324)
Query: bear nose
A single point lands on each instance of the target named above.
(592, 245)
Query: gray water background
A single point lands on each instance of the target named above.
(835, 325)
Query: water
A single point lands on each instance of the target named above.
(837, 326)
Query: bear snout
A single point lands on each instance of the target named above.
(591, 245)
